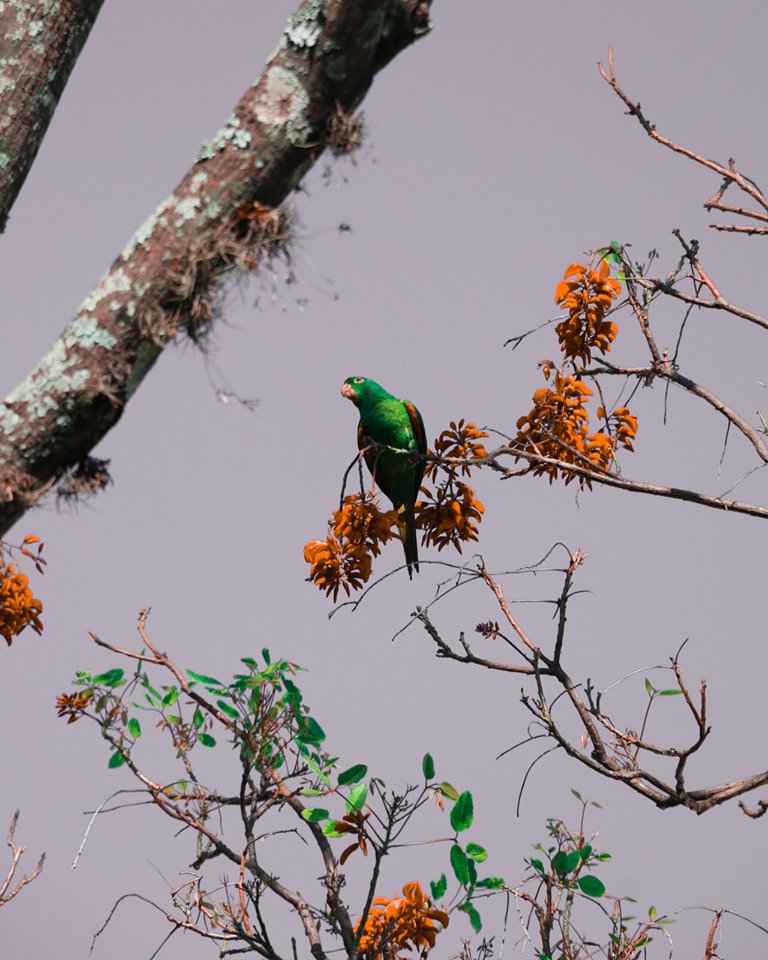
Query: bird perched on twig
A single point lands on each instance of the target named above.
(386, 421)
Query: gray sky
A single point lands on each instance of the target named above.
(496, 156)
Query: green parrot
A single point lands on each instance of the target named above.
(396, 423)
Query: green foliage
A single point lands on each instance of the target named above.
(112, 678)
(474, 917)
(449, 791)
(276, 731)
(460, 865)
(228, 709)
(357, 797)
(591, 886)
(491, 883)
(438, 887)
(352, 775)
(476, 852)
(204, 679)
(462, 814)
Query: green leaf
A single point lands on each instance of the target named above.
(249, 662)
(449, 791)
(649, 687)
(352, 775)
(207, 740)
(602, 856)
(171, 696)
(228, 709)
(615, 246)
(491, 883)
(134, 728)
(472, 872)
(266, 655)
(314, 814)
(329, 829)
(204, 679)
(538, 866)
(585, 851)
(357, 797)
(476, 852)
(651, 913)
(591, 886)
(462, 814)
(460, 865)
(438, 887)
(198, 718)
(315, 767)
(670, 693)
(111, 678)
(312, 792)
(173, 718)
(474, 917)
(572, 860)
(428, 766)
(310, 731)
(116, 760)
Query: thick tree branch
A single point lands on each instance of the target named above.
(39, 45)
(215, 221)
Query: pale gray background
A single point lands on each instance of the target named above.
(496, 156)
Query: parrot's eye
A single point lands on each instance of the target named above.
(358, 380)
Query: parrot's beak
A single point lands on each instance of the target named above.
(348, 392)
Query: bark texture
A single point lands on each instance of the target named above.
(40, 41)
(217, 218)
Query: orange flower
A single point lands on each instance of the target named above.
(334, 565)
(587, 295)
(71, 705)
(344, 560)
(19, 607)
(460, 442)
(450, 518)
(558, 427)
(407, 921)
(360, 522)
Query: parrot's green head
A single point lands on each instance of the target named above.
(363, 392)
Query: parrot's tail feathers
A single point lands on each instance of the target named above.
(410, 543)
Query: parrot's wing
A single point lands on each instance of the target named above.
(417, 424)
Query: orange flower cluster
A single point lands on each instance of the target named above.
(449, 516)
(19, 607)
(71, 705)
(558, 427)
(345, 558)
(405, 922)
(460, 442)
(587, 295)
(623, 423)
